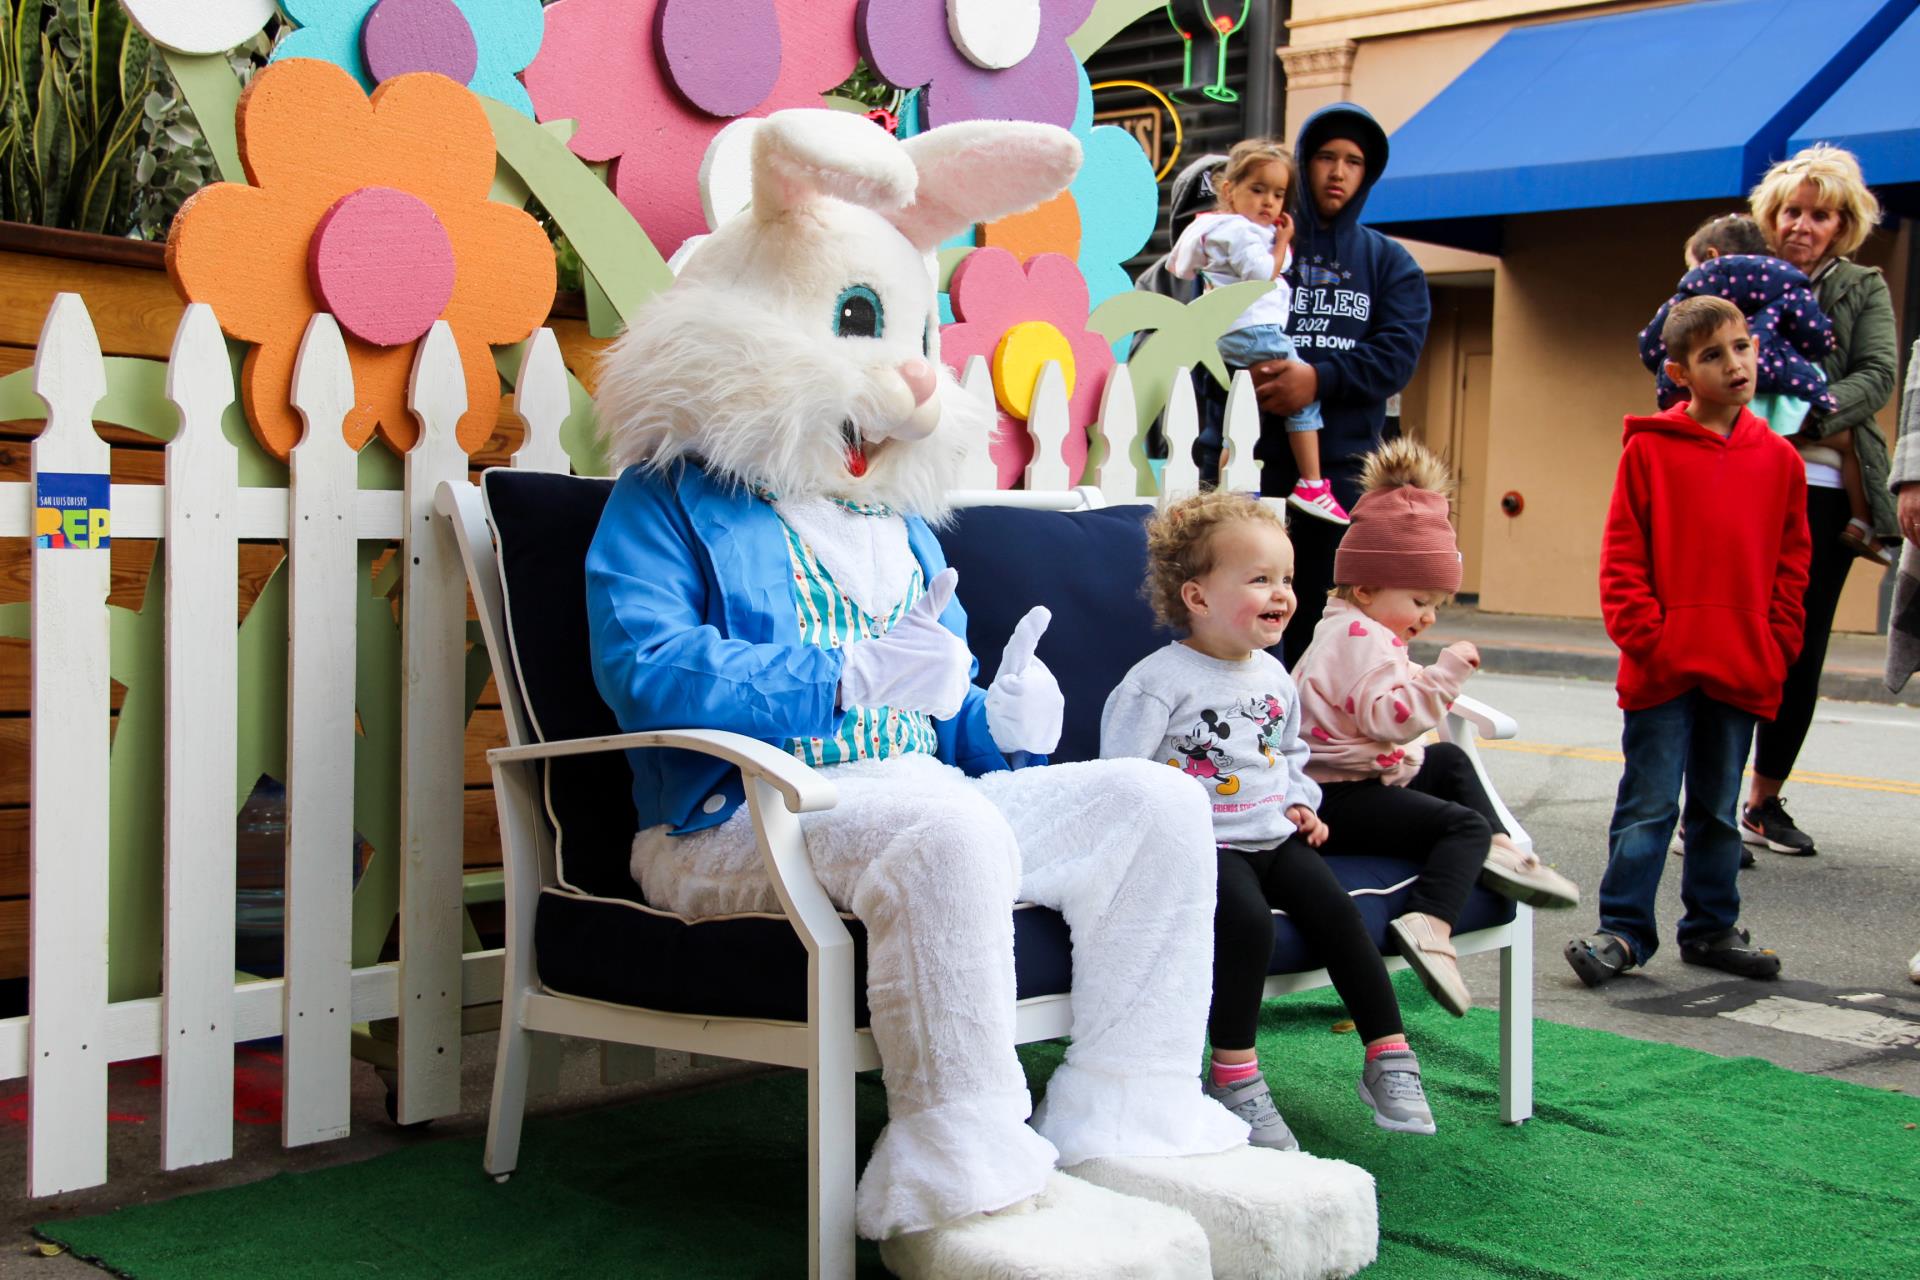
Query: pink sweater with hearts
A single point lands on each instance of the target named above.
(1363, 701)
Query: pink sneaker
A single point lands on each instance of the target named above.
(1317, 500)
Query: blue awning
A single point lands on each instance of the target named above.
(1687, 102)
(1876, 113)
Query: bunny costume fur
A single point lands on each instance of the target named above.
(765, 566)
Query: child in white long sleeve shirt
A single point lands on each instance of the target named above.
(1366, 704)
(1220, 708)
(1250, 237)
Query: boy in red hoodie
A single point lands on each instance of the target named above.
(1701, 578)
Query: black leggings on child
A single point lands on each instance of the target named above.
(1442, 818)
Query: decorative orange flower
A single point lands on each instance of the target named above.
(374, 209)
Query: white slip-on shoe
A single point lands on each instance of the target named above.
(1072, 1230)
(1433, 959)
(1524, 878)
(1275, 1215)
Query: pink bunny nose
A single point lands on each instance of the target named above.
(919, 377)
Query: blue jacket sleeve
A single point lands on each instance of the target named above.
(1380, 364)
(657, 659)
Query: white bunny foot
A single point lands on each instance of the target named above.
(1275, 1215)
(1073, 1231)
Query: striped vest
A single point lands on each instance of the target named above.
(829, 620)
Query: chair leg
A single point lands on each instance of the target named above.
(1516, 1020)
(509, 1107)
(830, 1173)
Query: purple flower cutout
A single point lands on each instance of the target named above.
(907, 43)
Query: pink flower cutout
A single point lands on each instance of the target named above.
(908, 44)
(991, 294)
(652, 81)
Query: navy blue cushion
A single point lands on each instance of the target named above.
(742, 968)
(1086, 567)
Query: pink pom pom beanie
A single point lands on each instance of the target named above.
(1400, 537)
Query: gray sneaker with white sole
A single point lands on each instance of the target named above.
(1252, 1101)
(1390, 1084)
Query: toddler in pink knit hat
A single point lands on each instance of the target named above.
(1364, 705)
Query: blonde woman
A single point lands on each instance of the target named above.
(1815, 211)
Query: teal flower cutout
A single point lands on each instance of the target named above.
(482, 44)
(1118, 196)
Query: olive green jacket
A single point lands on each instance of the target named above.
(1860, 373)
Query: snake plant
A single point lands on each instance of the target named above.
(74, 80)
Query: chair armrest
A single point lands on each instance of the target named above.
(1491, 723)
(802, 787)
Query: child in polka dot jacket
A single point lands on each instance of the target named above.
(1364, 705)
(1727, 257)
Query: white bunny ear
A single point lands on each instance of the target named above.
(979, 170)
(800, 156)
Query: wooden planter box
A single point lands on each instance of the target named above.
(135, 312)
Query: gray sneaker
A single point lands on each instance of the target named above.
(1253, 1102)
(1390, 1084)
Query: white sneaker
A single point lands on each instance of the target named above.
(1913, 968)
(1317, 500)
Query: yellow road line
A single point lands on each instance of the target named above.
(1601, 755)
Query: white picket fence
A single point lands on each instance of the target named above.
(72, 1033)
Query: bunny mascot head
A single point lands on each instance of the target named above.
(764, 566)
(799, 349)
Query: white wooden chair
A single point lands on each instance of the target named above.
(827, 1044)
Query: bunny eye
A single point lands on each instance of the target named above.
(857, 313)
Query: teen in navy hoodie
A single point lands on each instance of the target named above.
(1360, 312)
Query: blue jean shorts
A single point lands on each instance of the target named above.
(1244, 348)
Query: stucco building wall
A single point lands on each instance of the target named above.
(1531, 361)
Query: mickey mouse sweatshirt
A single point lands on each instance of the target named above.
(1232, 726)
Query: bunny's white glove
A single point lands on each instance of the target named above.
(917, 666)
(1025, 707)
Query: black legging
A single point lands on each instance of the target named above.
(1294, 878)
(1776, 743)
(1442, 819)
(1443, 812)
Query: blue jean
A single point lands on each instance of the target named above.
(1704, 742)
(1244, 348)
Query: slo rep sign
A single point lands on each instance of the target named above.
(71, 511)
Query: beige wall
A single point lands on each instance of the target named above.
(1572, 293)
(1319, 21)
(1445, 406)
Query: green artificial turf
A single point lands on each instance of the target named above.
(1643, 1160)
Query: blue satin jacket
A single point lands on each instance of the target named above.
(690, 610)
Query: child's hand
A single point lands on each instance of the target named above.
(1311, 829)
(1282, 237)
(1466, 652)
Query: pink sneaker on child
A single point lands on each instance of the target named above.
(1316, 498)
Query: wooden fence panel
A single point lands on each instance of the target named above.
(323, 586)
(202, 723)
(67, 1051)
(432, 719)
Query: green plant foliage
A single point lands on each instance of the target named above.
(95, 134)
(74, 75)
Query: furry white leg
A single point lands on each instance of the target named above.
(1124, 849)
(931, 868)
(1073, 1231)
(1270, 1215)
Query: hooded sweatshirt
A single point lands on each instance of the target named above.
(1704, 564)
(1360, 307)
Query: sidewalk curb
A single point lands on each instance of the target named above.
(1836, 684)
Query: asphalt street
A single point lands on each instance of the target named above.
(1844, 921)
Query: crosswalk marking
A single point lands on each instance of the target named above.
(1843, 1026)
